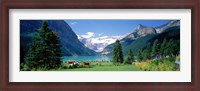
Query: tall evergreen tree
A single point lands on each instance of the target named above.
(139, 55)
(130, 58)
(144, 54)
(155, 48)
(44, 53)
(177, 47)
(148, 51)
(117, 53)
(172, 47)
(163, 47)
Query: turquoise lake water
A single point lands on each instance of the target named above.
(87, 58)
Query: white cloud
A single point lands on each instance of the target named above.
(103, 37)
(73, 23)
(106, 39)
(100, 34)
(88, 35)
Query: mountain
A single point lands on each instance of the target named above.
(170, 33)
(171, 23)
(71, 46)
(98, 43)
(138, 32)
(142, 35)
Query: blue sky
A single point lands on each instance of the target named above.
(110, 27)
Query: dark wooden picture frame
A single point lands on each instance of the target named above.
(100, 4)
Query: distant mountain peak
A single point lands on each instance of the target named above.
(174, 21)
(140, 26)
(98, 43)
(171, 23)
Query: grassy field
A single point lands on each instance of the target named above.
(163, 64)
(104, 66)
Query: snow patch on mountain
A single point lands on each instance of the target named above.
(97, 43)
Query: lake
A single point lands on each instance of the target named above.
(87, 58)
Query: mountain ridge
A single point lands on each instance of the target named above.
(171, 23)
(64, 31)
(143, 32)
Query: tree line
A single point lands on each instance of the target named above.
(165, 48)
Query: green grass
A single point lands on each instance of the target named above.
(105, 66)
(165, 64)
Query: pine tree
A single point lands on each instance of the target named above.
(139, 56)
(130, 58)
(44, 52)
(117, 53)
(144, 54)
(155, 48)
(177, 47)
(171, 47)
(148, 51)
(164, 47)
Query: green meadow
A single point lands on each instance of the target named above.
(104, 66)
(164, 64)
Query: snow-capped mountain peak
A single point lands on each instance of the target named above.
(98, 43)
